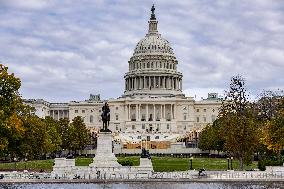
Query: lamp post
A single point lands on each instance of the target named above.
(26, 163)
(191, 163)
(232, 163)
(15, 165)
(228, 163)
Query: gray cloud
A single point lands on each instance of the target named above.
(64, 50)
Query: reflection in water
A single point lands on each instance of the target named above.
(146, 185)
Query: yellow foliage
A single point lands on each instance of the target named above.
(15, 123)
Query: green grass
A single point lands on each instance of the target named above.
(36, 165)
(159, 164)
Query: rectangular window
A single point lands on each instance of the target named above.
(76, 111)
(204, 119)
(133, 127)
(83, 111)
(116, 127)
(143, 126)
(197, 110)
(204, 110)
(116, 117)
(184, 117)
(197, 119)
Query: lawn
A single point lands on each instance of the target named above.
(159, 164)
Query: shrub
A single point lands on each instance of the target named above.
(126, 162)
(268, 162)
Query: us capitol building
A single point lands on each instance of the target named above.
(153, 108)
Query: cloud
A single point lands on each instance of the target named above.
(64, 50)
(26, 4)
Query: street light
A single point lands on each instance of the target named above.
(15, 165)
(232, 163)
(26, 163)
(228, 163)
(191, 163)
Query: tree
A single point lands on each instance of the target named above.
(11, 107)
(78, 134)
(274, 129)
(54, 138)
(63, 126)
(35, 141)
(210, 137)
(239, 129)
(268, 104)
(207, 138)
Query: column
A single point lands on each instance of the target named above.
(174, 111)
(144, 83)
(161, 112)
(128, 112)
(139, 111)
(166, 82)
(164, 111)
(147, 112)
(171, 112)
(136, 113)
(154, 114)
(147, 82)
(159, 83)
(135, 83)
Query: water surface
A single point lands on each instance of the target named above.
(151, 185)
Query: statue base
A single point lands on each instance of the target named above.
(104, 155)
(105, 130)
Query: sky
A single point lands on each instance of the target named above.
(64, 50)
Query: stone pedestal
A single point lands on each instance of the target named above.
(104, 156)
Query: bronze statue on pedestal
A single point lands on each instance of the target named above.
(105, 118)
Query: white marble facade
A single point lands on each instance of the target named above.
(152, 102)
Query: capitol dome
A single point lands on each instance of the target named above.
(153, 43)
(153, 66)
